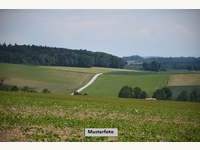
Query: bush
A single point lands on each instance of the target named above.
(128, 92)
(1, 82)
(143, 95)
(164, 93)
(45, 91)
(14, 88)
(28, 89)
(4, 88)
(25, 89)
(182, 96)
(125, 92)
(195, 96)
(137, 92)
(76, 93)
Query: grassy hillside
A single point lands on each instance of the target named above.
(48, 117)
(110, 84)
(85, 70)
(56, 80)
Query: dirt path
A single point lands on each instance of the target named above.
(89, 83)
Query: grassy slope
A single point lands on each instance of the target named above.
(57, 81)
(40, 117)
(109, 84)
(85, 70)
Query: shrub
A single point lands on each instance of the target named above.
(128, 92)
(143, 95)
(137, 92)
(5, 88)
(164, 93)
(182, 96)
(45, 91)
(1, 82)
(195, 96)
(28, 89)
(14, 88)
(76, 93)
(125, 92)
(25, 89)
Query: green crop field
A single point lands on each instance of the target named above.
(109, 84)
(50, 117)
(188, 82)
(57, 81)
(184, 79)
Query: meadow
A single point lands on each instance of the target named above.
(50, 117)
(93, 70)
(112, 82)
(37, 77)
(58, 79)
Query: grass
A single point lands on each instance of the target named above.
(184, 79)
(93, 70)
(50, 117)
(57, 81)
(109, 84)
(188, 82)
(177, 89)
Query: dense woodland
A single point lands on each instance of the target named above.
(43, 55)
(177, 63)
(153, 66)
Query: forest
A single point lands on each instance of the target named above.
(176, 63)
(52, 56)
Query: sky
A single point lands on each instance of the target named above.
(168, 33)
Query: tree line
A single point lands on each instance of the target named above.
(153, 66)
(160, 94)
(177, 63)
(14, 88)
(52, 56)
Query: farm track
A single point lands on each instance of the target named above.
(89, 83)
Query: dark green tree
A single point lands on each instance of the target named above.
(183, 95)
(143, 95)
(153, 66)
(14, 88)
(45, 91)
(163, 94)
(125, 92)
(43, 55)
(137, 92)
(194, 96)
(168, 93)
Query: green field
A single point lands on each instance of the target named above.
(93, 70)
(57, 81)
(48, 117)
(60, 117)
(188, 79)
(109, 84)
(60, 80)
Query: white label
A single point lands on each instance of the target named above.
(101, 132)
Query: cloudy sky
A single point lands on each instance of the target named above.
(119, 32)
